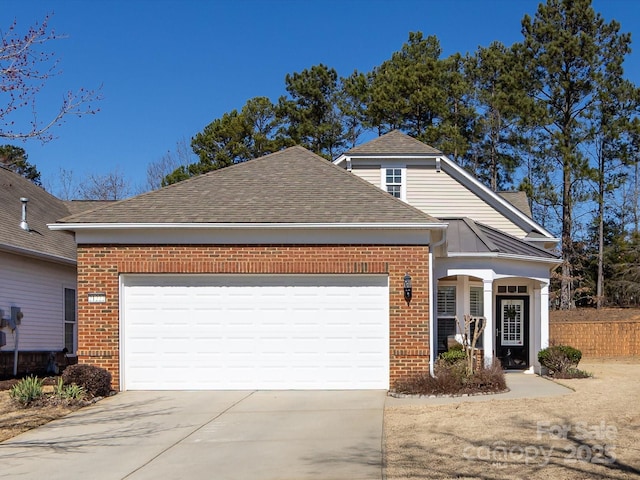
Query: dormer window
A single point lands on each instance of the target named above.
(393, 181)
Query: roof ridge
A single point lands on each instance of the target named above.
(293, 185)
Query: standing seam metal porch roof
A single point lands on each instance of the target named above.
(290, 186)
(464, 236)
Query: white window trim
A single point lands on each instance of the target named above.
(403, 179)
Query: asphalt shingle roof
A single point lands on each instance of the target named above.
(290, 186)
(518, 200)
(42, 208)
(395, 142)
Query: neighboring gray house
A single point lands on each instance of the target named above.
(493, 260)
(37, 275)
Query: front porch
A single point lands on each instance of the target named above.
(516, 322)
(484, 272)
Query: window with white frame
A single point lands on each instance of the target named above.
(70, 319)
(393, 181)
(447, 301)
(446, 314)
(476, 300)
(476, 309)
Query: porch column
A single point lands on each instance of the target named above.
(540, 324)
(544, 316)
(489, 331)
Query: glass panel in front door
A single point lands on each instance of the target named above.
(512, 319)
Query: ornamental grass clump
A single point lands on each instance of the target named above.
(27, 390)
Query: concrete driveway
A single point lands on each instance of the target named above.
(208, 435)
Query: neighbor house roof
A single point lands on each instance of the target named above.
(393, 143)
(290, 186)
(42, 208)
(467, 237)
(518, 200)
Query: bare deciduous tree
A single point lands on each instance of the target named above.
(25, 67)
(111, 186)
(170, 161)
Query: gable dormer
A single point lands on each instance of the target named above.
(427, 179)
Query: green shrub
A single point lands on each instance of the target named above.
(68, 392)
(453, 355)
(559, 358)
(26, 390)
(94, 380)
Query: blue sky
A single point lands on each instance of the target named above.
(169, 67)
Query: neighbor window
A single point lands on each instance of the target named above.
(70, 319)
(393, 181)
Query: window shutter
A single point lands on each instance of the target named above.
(446, 301)
(476, 307)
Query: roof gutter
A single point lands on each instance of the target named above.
(297, 226)
(504, 256)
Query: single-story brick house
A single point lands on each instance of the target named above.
(282, 272)
(288, 271)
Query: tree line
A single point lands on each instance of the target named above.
(553, 115)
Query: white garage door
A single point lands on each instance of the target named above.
(203, 332)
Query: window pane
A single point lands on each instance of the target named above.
(69, 305)
(69, 330)
(394, 175)
(394, 190)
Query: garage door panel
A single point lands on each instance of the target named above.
(246, 332)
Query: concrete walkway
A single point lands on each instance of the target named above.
(520, 384)
(207, 435)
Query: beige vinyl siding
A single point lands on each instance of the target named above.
(36, 287)
(371, 173)
(439, 195)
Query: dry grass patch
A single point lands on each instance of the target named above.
(15, 419)
(591, 433)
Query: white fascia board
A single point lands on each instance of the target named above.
(340, 159)
(541, 240)
(465, 176)
(505, 256)
(181, 234)
(222, 226)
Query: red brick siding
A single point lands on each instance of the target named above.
(99, 267)
(619, 338)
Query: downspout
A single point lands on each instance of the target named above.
(432, 321)
(15, 352)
